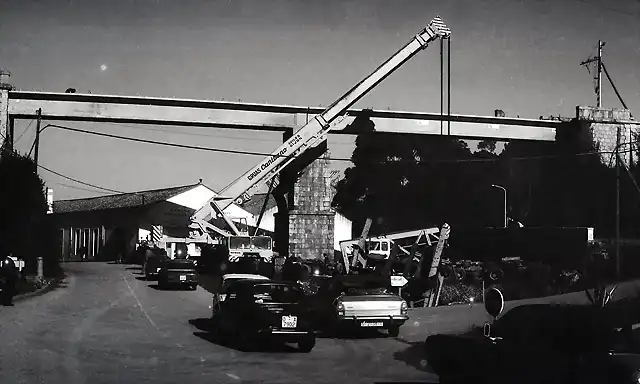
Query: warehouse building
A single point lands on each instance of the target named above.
(105, 227)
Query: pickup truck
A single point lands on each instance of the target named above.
(357, 302)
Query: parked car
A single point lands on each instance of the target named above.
(357, 302)
(226, 281)
(152, 263)
(257, 310)
(178, 272)
(539, 343)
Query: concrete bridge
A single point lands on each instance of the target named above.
(262, 117)
(608, 127)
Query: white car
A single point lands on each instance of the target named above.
(226, 281)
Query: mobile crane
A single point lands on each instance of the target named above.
(310, 135)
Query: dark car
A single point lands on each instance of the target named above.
(539, 343)
(178, 272)
(257, 310)
(152, 263)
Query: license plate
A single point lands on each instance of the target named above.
(289, 321)
(371, 324)
(183, 278)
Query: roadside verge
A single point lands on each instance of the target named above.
(49, 286)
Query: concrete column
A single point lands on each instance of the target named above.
(4, 118)
(311, 221)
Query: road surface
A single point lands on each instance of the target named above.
(106, 325)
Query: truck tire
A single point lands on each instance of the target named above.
(461, 274)
(494, 274)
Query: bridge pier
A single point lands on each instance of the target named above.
(603, 125)
(312, 221)
(305, 222)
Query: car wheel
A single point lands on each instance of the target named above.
(193, 287)
(245, 343)
(394, 331)
(307, 344)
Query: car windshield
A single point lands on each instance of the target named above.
(239, 242)
(277, 293)
(179, 263)
(261, 242)
(366, 291)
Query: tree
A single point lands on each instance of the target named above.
(487, 145)
(25, 229)
(411, 181)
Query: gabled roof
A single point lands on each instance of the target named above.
(254, 206)
(123, 200)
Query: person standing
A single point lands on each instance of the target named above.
(9, 277)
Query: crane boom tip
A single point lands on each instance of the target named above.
(439, 27)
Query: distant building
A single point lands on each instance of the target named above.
(101, 228)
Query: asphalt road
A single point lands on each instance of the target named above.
(106, 325)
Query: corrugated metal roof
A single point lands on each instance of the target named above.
(123, 200)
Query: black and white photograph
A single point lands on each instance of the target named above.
(319, 191)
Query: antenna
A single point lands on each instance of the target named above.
(598, 78)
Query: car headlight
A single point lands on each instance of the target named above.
(158, 269)
(404, 308)
(340, 307)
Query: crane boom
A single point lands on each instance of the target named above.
(311, 133)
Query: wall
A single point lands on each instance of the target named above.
(311, 221)
(603, 126)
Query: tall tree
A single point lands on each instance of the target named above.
(410, 181)
(25, 229)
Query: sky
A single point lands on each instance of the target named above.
(519, 56)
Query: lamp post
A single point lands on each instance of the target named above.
(505, 202)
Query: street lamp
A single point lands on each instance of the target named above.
(505, 202)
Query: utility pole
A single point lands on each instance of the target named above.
(599, 88)
(37, 146)
(506, 219)
(618, 202)
(598, 61)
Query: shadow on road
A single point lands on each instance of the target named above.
(204, 332)
(170, 288)
(414, 356)
(137, 268)
(141, 278)
(210, 283)
(356, 334)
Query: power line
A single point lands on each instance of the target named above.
(252, 153)
(23, 132)
(78, 181)
(75, 187)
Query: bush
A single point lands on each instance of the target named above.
(26, 230)
(459, 293)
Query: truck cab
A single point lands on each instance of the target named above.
(250, 246)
